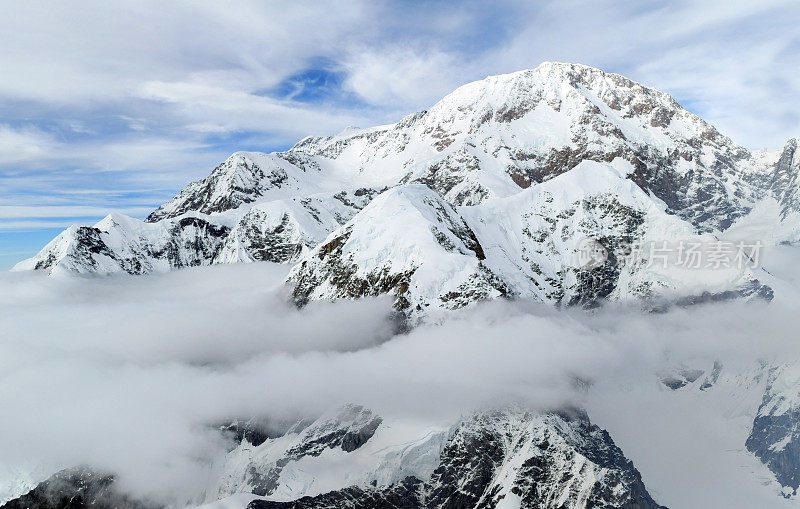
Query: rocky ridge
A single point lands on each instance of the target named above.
(495, 458)
(508, 458)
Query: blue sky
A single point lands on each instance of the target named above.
(116, 107)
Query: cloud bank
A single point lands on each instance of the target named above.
(128, 373)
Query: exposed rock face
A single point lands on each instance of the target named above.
(78, 488)
(786, 180)
(509, 458)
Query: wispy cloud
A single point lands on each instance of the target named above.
(15, 253)
(18, 211)
(206, 108)
(24, 144)
(7, 227)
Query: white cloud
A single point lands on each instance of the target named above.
(401, 76)
(153, 167)
(126, 373)
(172, 347)
(18, 145)
(91, 50)
(23, 211)
(209, 108)
(30, 225)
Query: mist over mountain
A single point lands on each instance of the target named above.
(484, 304)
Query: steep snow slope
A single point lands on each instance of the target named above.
(775, 434)
(432, 256)
(408, 242)
(688, 441)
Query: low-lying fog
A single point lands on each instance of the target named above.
(127, 373)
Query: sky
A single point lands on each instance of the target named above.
(116, 107)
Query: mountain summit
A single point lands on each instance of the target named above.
(487, 194)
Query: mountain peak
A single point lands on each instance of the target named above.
(556, 81)
(485, 142)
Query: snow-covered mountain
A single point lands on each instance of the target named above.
(353, 458)
(506, 458)
(433, 255)
(494, 155)
(276, 231)
(496, 191)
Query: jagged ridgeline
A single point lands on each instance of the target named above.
(492, 459)
(485, 195)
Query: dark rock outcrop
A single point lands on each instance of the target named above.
(78, 488)
(541, 460)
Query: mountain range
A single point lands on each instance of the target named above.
(487, 194)
(494, 192)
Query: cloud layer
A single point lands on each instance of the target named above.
(127, 374)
